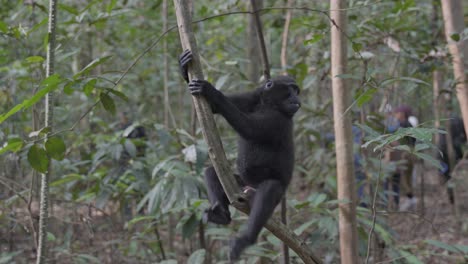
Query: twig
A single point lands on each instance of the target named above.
(261, 40)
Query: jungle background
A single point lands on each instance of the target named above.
(120, 198)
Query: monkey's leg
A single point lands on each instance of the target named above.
(218, 213)
(267, 197)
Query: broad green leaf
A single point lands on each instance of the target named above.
(410, 258)
(455, 37)
(190, 226)
(13, 144)
(38, 25)
(429, 159)
(130, 147)
(139, 219)
(89, 87)
(66, 179)
(91, 66)
(67, 88)
(37, 158)
(3, 27)
(445, 246)
(34, 59)
(314, 39)
(49, 84)
(68, 9)
(298, 231)
(50, 237)
(420, 147)
(357, 46)
(111, 6)
(118, 94)
(87, 258)
(108, 103)
(366, 96)
(197, 257)
(55, 148)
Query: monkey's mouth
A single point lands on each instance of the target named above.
(293, 108)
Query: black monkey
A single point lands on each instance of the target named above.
(263, 120)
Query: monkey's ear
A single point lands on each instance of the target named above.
(268, 85)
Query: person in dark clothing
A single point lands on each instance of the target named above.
(403, 175)
(458, 135)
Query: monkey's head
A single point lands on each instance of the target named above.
(281, 93)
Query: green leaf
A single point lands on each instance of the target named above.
(197, 257)
(68, 88)
(111, 6)
(49, 84)
(357, 47)
(429, 159)
(410, 79)
(366, 96)
(38, 25)
(139, 219)
(50, 237)
(118, 94)
(13, 145)
(39, 132)
(69, 9)
(445, 246)
(37, 158)
(86, 258)
(108, 103)
(34, 59)
(410, 258)
(314, 39)
(91, 66)
(55, 148)
(190, 226)
(348, 76)
(3, 27)
(455, 37)
(89, 87)
(130, 147)
(66, 179)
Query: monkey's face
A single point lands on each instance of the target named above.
(283, 93)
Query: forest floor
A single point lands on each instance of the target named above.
(411, 230)
(436, 221)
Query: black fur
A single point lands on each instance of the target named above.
(263, 120)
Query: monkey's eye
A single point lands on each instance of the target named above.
(269, 84)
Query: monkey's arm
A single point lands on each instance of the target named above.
(248, 126)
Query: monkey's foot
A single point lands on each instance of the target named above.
(217, 214)
(237, 247)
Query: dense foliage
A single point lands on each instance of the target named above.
(140, 200)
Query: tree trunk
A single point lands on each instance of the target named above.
(343, 136)
(44, 207)
(453, 20)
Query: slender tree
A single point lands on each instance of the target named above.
(343, 135)
(452, 11)
(44, 200)
(253, 50)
